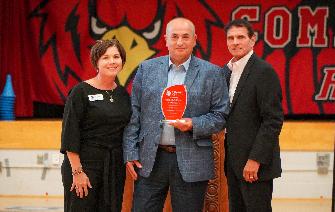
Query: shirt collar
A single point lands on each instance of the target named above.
(241, 62)
(186, 64)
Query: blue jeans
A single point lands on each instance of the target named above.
(150, 193)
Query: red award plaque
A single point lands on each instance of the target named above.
(174, 100)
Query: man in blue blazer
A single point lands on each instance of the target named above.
(256, 116)
(179, 155)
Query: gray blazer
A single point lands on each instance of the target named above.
(207, 105)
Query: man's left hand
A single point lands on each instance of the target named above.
(250, 171)
(184, 124)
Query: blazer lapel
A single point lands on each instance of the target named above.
(227, 73)
(243, 79)
(163, 69)
(191, 74)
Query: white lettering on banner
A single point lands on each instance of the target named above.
(327, 88)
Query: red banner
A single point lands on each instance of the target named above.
(45, 44)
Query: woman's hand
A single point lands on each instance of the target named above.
(81, 183)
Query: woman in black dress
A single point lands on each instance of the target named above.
(95, 114)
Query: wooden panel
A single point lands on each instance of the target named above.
(307, 136)
(30, 134)
(217, 194)
(295, 136)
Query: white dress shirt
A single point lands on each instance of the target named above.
(237, 69)
(176, 76)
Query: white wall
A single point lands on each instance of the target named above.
(24, 174)
(300, 178)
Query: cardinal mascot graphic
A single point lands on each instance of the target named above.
(296, 37)
(64, 43)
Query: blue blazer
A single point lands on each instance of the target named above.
(207, 105)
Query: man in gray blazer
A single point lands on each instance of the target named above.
(254, 123)
(176, 155)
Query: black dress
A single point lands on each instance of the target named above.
(93, 127)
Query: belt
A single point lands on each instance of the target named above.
(167, 148)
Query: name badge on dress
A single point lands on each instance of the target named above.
(95, 97)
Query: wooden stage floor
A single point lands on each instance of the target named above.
(24, 204)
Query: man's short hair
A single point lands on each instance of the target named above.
(240, 23)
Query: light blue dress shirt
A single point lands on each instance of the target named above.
(176, 76)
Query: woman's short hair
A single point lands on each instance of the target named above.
(100, 48)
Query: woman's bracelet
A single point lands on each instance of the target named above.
(77, 171)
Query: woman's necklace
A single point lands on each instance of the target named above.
(110, 96)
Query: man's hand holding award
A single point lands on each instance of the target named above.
(173, 103)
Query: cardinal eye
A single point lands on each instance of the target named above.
(154, 32)
(96, 28)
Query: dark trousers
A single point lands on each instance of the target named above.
(248, 197)
(150, 193)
